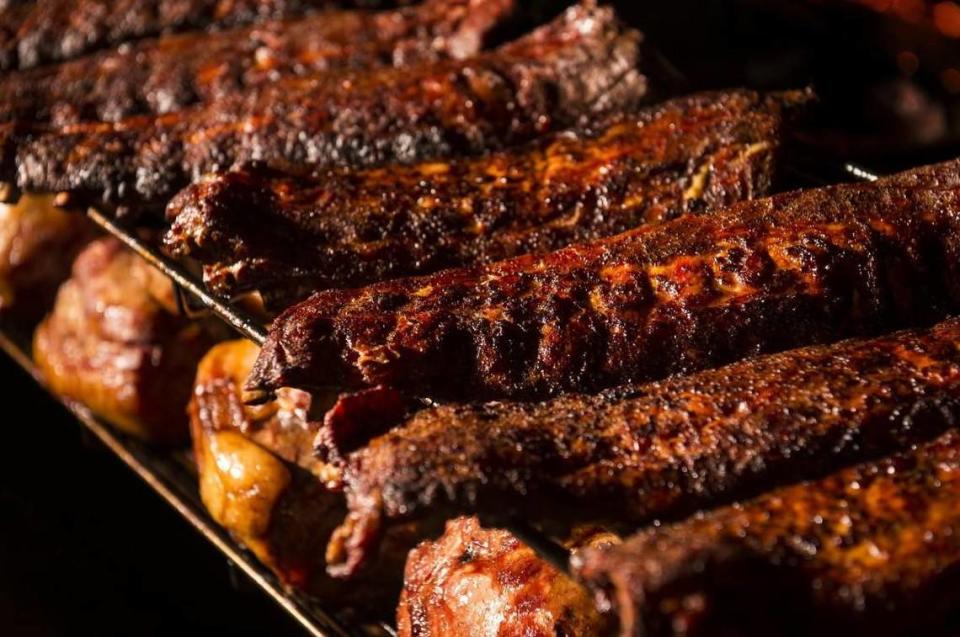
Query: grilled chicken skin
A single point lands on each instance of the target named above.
(288, 235)
(871, 550)
(660, 449)
(485, 583)
(699, 291)
(581, 64)
(38, 243)
(167, 74)
(115, 342)
(259, 480)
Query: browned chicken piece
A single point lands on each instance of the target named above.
(288, 235)
(115, 342)
(872, 550)
(580, 65)
(480, 582)
(259, 480)
(656, 450)
(167, 74)
(38, 242)
(35, 33)
(696, 292)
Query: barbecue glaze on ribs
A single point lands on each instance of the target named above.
(658, 449)
(582, 63)
(696, 292)
(170, 73)
(873, 549)
(288, 235)
(35, 33)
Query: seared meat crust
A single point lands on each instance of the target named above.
(288, 235)
(873, 549)
(659, 449)
(486, 583)
(700, 291)
(35, 33)
(170, 73)
(583, 63)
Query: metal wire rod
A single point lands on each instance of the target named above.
(237, 318)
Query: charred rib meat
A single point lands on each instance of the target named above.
(659, 449)
(167, 74)
(871, 550)
(582, 63)
(53, 30)
(696, 292)
(289, 235)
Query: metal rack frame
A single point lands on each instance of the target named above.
(172, 475)
(249, 327)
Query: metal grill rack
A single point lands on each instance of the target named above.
(172, 474)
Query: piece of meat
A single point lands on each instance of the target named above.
(37, 33)
(167, 74)
(259, 480)
(287, 236)
(38, 242)
(700, 291)
(659, 449)
(486, 583)
(581, 64)
(115, 343)
(872, 550)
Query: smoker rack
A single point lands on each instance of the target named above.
(172, 474)
(192, 292)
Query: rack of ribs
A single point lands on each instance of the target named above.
(581, 64)
(699, 291)
(36, 33)
(657, 449)
(873, 549)
(170, 73)
(288, 235)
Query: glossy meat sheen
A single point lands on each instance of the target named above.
(257, 482)
(36, 33)
(580, 64)
(873, 550)
(485, 583)
(288, 235)
(688, 294)
(38, 243)
(658, 449)
(115, 343)
(167, 74)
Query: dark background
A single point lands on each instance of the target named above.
(86, 548)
